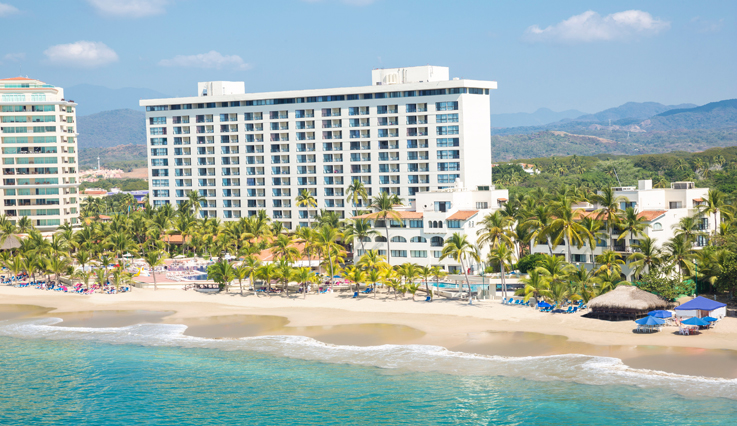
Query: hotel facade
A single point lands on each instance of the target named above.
(39, 153)
(412, 130)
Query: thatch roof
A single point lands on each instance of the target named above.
(628, 297)
(11, 242)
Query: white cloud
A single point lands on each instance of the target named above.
(590, 26)
(211, 59)
(129, 8)
(6, 9)
(15, 57)
(82, 54)
(702, 25)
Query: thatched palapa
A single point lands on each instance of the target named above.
(625, 302)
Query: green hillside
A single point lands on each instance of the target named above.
(125, 157)
(112, 128)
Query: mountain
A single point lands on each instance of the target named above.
(111, 128)
(93, 99)
(713, 115)
(540, 117)
(125, 157)
(632, 110)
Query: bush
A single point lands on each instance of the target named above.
(529, 262)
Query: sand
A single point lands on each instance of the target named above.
(487, 327)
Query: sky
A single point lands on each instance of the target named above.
(560, 54)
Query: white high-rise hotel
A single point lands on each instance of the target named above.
(39, 155)
(414, 129)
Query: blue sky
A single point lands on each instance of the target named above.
(561, 55)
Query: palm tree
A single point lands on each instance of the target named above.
(251, 265)
(608, 209)
(611, 262)
(357, 275)
(57, 265)
(567, 228)
(495, 230)
(503, 255)
(154, 258)
(538, 223)
(222, 273)
(646, 257)
(438, 273)
(689, 228)
(715, 203)
(631, 225)
(194, 199)
(241, 272)
(678, 250)
(267, 273)
(284, 273)
(584, 282)
(283, 248)
(458, 248)
(303, 276)
(373, 260)
(356, 192)
(537, 285)
(384, 205)
(325, 239)
(555, 268)
(409, 271)
(358, 229)
(307, 200)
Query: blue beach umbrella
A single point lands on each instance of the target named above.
(648, 320)
(544, 304)
(710, 319)
(695, 321)
(660, 314)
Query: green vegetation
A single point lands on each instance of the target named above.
(713, 168)
(122, 184)
(112, 128)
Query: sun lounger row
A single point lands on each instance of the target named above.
(515, 302)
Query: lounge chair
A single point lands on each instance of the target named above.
(355, 294)
(570, 310)
(504, 300)
(428, 299)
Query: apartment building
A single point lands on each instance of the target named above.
(412, 130)
(418, 232)
(39, 153)
(661, 208)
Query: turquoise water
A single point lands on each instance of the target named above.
(153, 375)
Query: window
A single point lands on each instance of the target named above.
(455, 224)
(442, 206)
(447, 130)
(399, 253)
(445, 167)
(449, 154)
(415, 223)
(450, 178)
(446, 106)
(418, 239)
(436, 242)
(399, 239)
(157, 120)
(418, 253)
(657, 226)
(482, 205)
(446, 118)
(436, 254)
(380, 239)
(381, 109)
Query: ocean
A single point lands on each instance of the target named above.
(153, 374)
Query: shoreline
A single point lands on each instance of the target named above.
(485, 328)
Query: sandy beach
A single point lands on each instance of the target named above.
(487, 327)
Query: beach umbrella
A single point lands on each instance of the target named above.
(710, 319)
(648, 320)
(695, 321)
(544, 304)
(660, 314)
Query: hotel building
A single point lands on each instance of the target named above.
(39, 153)
(412, 130)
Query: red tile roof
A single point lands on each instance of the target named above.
(401, 214)
(463, 214)
(648, 215)
(18, 78)
(698, 200)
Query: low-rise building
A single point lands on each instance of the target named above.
(428, 222)
(660, 208)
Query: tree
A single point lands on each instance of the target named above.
(584, 282)
(358, 229)
(194, 199)
(357, 275)
(325, 239)
(222, 273)
(251, 265)
(646, 257)
(303, 276)
(678, 252)
(538, 223)
(537, 285)
(611, 262)
(566, 227)
(154, 258)
(409, 271)
(356, 192)
(267, 273)
(307, 200)
(284, 272)
(529, 262)
(714, 204)
(496, 230)
(459, 249)
(608, 209)
(727, 278)
(384, 206)
(631, 225)
(502, 255)
(664, 285)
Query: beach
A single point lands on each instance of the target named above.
(485, 328)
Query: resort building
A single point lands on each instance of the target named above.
(39, 154)
(428, 222)
(412, 130)
(661, 208)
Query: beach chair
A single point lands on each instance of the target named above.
(504, 300)
(527, 303)
(575, 309)
(355, 294)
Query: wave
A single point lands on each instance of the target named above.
(583, 369)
